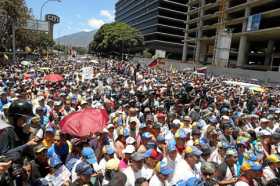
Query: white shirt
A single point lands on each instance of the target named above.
(131, 176)
(215, 157)
(241, 183)
(155, 181)
(268, 174)
(147, 173)
(182, 171)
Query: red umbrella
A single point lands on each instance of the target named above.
(53, 77)
(85, 122)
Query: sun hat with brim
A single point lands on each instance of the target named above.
(273, 158)
(84, 169)
(89, 155)
(129, 149)
(251, 165)
(231, 152)
(207, 168)
(137, 156)
(163, 168)
(130, 140)
(192, 150)
(113, 164)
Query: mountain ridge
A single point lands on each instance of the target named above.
(79, 39)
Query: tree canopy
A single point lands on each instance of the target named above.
(16, 11)
(116, 38)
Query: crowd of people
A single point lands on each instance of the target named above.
(164, 128)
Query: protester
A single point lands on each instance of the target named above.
(155, 126)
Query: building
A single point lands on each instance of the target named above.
(162, 22)
(253, 27)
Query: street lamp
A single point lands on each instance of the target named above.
(44, 4)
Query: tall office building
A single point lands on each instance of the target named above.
(253, 27)
(162, 22)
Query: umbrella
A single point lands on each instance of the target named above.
(85, 122)
(53, 77)
(26, 63)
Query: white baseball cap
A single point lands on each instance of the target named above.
(129, 149)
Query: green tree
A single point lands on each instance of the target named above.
(11, 11)
(117, 38)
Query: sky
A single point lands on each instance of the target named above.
(75, 15)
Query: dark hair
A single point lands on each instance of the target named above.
(140, 181)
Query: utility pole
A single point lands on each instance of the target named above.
(14, 40)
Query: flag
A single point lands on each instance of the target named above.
(202, 70)
(154, 63)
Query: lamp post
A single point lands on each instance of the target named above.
(44, 4)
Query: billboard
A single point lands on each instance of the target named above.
(36, 25)
(52, 18)
(254, 22)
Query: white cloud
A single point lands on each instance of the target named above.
(107, 14)
(95, 23)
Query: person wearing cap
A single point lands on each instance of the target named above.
(265, 136)
(250, 171)
(227, 170)
(208, 170)
(162, 172)
(181, 137)
(195, 134)
(111, 166)
(44, 119)
(108, 153)
(134, 171)
(271, 170)
(4, 100)
(89, 156)
(152, 157)
(41, 159)
(226, 136)
(133, 126)
(84, 172)
(192, 157)
(145, 138)
(128, 151)
(48, 138)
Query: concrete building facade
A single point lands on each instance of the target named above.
(162, 22)
(250, 49)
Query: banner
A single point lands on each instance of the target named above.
(87, 73)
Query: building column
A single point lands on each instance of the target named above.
(243, 44)
(203, 52)
(268, 53)
(199, 32)
(185, 48)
